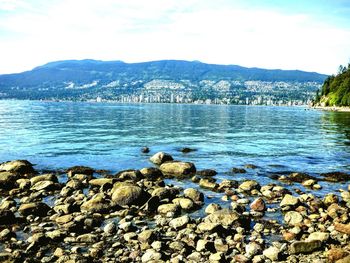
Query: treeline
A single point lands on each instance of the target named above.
(335, 90)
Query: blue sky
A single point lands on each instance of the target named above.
(307, 35)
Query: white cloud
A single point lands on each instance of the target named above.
(138, 30)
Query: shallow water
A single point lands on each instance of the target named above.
(57, 135)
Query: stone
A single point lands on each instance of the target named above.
(195, 195)
(207, 183)
(18, 166)
(7, 180)
(151, 173)
(187, 150)
(252, 249)
(80, 170)
(134, 175)
(65, 209)
(335, 254)
(289, 201)
(207, 227)
(336, 176)
(110, 228)
(151, 255)
(43, 177)
(207, 172)
(248, 185)
(165, 192)
(44, 185)
(99, 203)
(166, 208)
(129, 195)
(272, 253)
(35, 209)
(293, 218)
(184, 203)
(6, 234)
(216, 257)
(145, 150)
(258, 205)
(309, 183)
(146, 236)
(344, 260)
(342, 228)
(178, 168)
(179, 222)
(321, 236)
(212, 208)
(304, 247)
(101, 181)
(87, 238)
(161, 157)
(299, 177)
(223, 217)
(238, 170)
(330, 199)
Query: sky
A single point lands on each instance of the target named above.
(310, 35)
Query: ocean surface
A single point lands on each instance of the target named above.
(57, 135)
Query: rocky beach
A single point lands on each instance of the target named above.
(87, 215)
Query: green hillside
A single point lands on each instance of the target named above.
(336, 89)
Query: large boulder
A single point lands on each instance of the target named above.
(161, 157)
(17, 166)
(178, 168)
(127, 194)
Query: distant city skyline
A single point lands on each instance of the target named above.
(309, 35)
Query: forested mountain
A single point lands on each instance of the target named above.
(158, 81)
(336, 89)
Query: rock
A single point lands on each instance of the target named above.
(64, 219)
(165, 192)
(178, 168)
(203, 245)
(309, 183)
(168, 208)
(195, 195)
(336, 176)
(335, 254)
(299, 177)
(304, 247)
(161, 157)
(227, 185)
(184, 203)
(128, 195)
(145, 150)
(252, 249)
(223, 217)
(272, 253)
(101, 181)
(344, 260)
(43, 177)
(129, 237)
(216, 257)
(289, 201)
(151, 255)
(330, 199)
(87, 238)
(179, 222)
(6, 217)
(207, 183)
(342, 228)
(321, 236)
(44, 185)
(345, 196)
(293, 218)
(134, 175)
(250, 166)
(207, 172)
(208, 227)
(110, 228)
(80, 170)
(187, 150)
(18, 166)
(99, 203)
(35, 209)
(238, 170)
(249, 185)
(151, 173)
(6, 234)
(258, 205)
(146, 236)
(7, 180)
(212, 208)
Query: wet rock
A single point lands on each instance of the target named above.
(179, 222)
(187, 150)
(18, 166)
(165, 192)
(194, 195)
(207, 183)
(212, 208)
(145, 150)
(258, 205)
(134, 175)
(336, 176)
(35, 209)
(44, 185)
(321, 236)
(249, 185)
(272, 253)
(80, 170)
(168, 208)
(99, 203)
(288, 202)
(330, 199)
(43, 177)
(304, 247)
(309, 183)
(250, 166)
(7, 180)
(128, 195)
(178, 168)
(223, 217)
(66, 209)
(293, 218)
(151, 173)
(299, 177)
(184, 203)
(207, 173)
(342, 228)
(151, 255)
(238, 170)
(101, 181)
(161, 157)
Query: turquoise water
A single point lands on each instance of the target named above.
(56, 135)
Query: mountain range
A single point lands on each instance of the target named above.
(159, 81)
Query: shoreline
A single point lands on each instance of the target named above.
(331, 108)
(135, 216)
